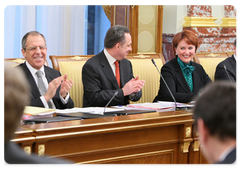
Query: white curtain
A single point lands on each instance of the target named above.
(64, 28)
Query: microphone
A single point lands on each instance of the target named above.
(165, 84)
(225, 68)
(116, 92)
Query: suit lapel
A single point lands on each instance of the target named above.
(108, 71)
(233, 64)
(48, 74)
(180, 77)
(35, 92)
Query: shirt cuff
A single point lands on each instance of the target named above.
(131, 96)
(64, 101)
(44, 102)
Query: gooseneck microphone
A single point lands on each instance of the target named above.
(225, 68)
(116, 92)
(165, 84)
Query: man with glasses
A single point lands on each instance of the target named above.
(48, 88)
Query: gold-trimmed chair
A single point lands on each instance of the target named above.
(144, 68)
(16, 61)
(72, 66)
(209, 61)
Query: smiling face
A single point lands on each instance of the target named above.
(185, 51)
(35, 51)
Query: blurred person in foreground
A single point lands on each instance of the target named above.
(215, 119)
(184, 77)
(16, 97)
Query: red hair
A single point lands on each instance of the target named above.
(188, 36)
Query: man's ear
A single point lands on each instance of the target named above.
(23, 53)
(202, 131)
(117, 46)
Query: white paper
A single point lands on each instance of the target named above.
(158, 105)
(91, 110)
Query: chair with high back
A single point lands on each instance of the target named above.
(16, 61)
(72, 66)
(144, 68)
(209, 61)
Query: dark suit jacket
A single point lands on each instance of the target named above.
(174, 78)
(13, 154)
(100, 84)
(35, 94)
(231, 158)
(221, 73)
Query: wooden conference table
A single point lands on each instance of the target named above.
(148, 138)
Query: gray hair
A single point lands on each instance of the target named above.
(114, 35)
(34, 33)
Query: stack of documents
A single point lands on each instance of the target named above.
(158, 106)
(31, 112)
(155, 106)
(91, 110)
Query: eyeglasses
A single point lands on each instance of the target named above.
(41, 48)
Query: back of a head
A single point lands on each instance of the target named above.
(217, 108)
(16, 97)
(114, 35)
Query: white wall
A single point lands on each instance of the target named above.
(173, 18)
(218, 11)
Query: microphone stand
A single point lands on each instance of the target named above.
(225, 68)
(165, 84)
(109, 101)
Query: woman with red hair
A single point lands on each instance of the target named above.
(184, 77)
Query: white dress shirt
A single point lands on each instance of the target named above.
(33, 72)
(111, 61)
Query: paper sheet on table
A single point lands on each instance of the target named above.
(91, 110)
(166, 103)
(31, 110)
(155, 106)
(158, 105)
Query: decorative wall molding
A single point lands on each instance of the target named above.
(228, 22)
(200, 22)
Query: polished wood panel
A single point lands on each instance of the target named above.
(120, 15)
(25, 138)
(128, 15)
(153, 138)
